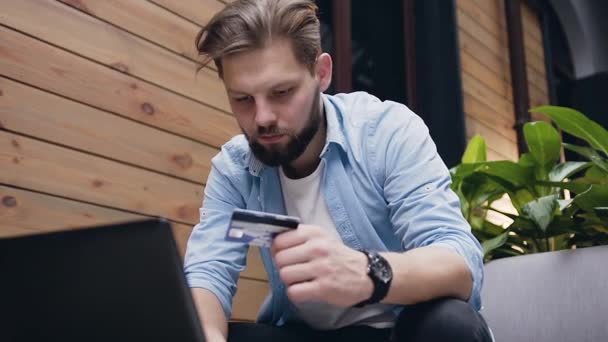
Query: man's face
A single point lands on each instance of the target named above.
(275, 100)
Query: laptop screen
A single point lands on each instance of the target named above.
(116, 283)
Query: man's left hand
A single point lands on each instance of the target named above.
(316, 266)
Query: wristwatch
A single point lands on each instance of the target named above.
(381, 274)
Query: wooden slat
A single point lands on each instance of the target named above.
(249, 297)
(497, 64)
(58, 71)
(528, 16)
(495, 140)
(47, 168)
(25, 212)
(198, 11)
(147, 20)
(490, 15)
(482, 93)
(495, 9)
(496, 44)
(499, 122)
(49, 117)
(492, 155)
(489, 78)
(490, 59)
(53, 21)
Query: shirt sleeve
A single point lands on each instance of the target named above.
(423, 209)
(211, 262)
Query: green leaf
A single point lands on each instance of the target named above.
(508, 171)
(596, 175)
(476, 150)
(577, 124)
(521, 197)
(575, 187)
(595, 197)
(544, 143)
(494, 243)
(601, 212)
(541, 211)
(590, 154)
(565, 170)
(527, 160)
(563, 204)
(464, 170)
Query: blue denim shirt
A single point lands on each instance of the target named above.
(385, 186)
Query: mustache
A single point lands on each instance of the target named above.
(271, 130)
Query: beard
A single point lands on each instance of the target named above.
(283, 155)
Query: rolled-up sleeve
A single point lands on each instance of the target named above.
(424, 210)
(211, 262)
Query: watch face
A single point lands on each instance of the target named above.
(381, 269)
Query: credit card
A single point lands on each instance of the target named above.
(257, 228)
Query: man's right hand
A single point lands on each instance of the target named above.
(211, 315)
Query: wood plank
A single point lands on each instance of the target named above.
(33, 62)
(495, 9)
(33, 112)
(498, 64)
(489, 78)
(53, 21)
(197, 11)
(491, 17)
(480, 91)
(501, 123)
(146, 20)
(39, 166)
(494, 139)
(249, 297)
(491, 154)
(496, 44)
(25, 212)
(529, 16)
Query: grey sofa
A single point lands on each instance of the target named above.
(554, 296)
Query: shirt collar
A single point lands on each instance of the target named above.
(334, 136)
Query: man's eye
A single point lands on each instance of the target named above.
(283, 92)
(243, 99)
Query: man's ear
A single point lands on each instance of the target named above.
(324, 70)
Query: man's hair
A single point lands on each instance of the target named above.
(246, 25)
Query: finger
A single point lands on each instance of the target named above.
(293, 255)
(294, 237)
(304, 292)
(298, 273)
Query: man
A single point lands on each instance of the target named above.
(383, 252)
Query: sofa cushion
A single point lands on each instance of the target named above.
(554, 296)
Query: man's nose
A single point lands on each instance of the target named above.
(264, 115)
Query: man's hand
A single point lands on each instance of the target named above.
(316, 266)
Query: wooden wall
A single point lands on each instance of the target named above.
(104, 119)
(486, 75)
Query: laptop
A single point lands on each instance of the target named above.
(123, 282)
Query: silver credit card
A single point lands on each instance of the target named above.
(258, 228)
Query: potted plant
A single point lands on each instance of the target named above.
(553, 204)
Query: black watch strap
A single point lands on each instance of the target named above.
(380, 272)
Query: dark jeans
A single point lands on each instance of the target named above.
(444, 319)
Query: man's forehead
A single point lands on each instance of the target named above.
(267, 67)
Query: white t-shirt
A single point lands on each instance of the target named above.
(304, 199)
